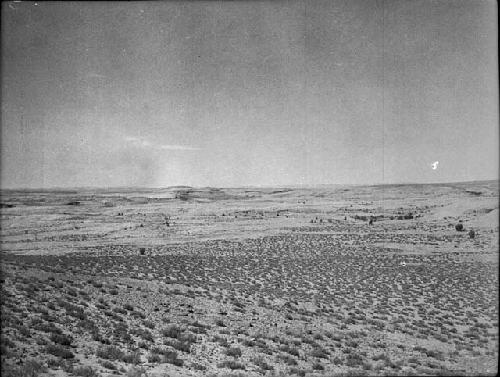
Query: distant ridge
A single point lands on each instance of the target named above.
(74, 190)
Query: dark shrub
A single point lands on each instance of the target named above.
(119, 310)
(48, 328)
(233, 351)
(137, 314)
(459, 227)
(172, 332)
(179, 345)
(128, 307)
(249, 343)
(171, 358)
(259, 361)
(318, 366)
(109, 352)
(221, 340)
(144, 334)
(59, 351)
(159, 350)
(354, 360)
(135, 371)
(85, 372)
(154, 358)
(337, 360)
(62, 339)
(231, 364)
(132, 358)
(290, 350)
(198, 330)
(121, 331)
(287, 359)
(320, 353)
(298, 372)
(30, 368)
(108, 365)
(197, 366)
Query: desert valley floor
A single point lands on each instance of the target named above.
(323, 281)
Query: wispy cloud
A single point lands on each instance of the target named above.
(174, 147)
(144, 143)
(96, 75)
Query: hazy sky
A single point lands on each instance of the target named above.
(248, 93)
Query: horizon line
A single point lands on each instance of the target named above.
(305, 185)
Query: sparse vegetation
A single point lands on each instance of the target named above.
(318, 298)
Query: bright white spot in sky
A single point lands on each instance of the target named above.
(435, 165)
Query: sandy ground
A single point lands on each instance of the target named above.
(278, 281)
